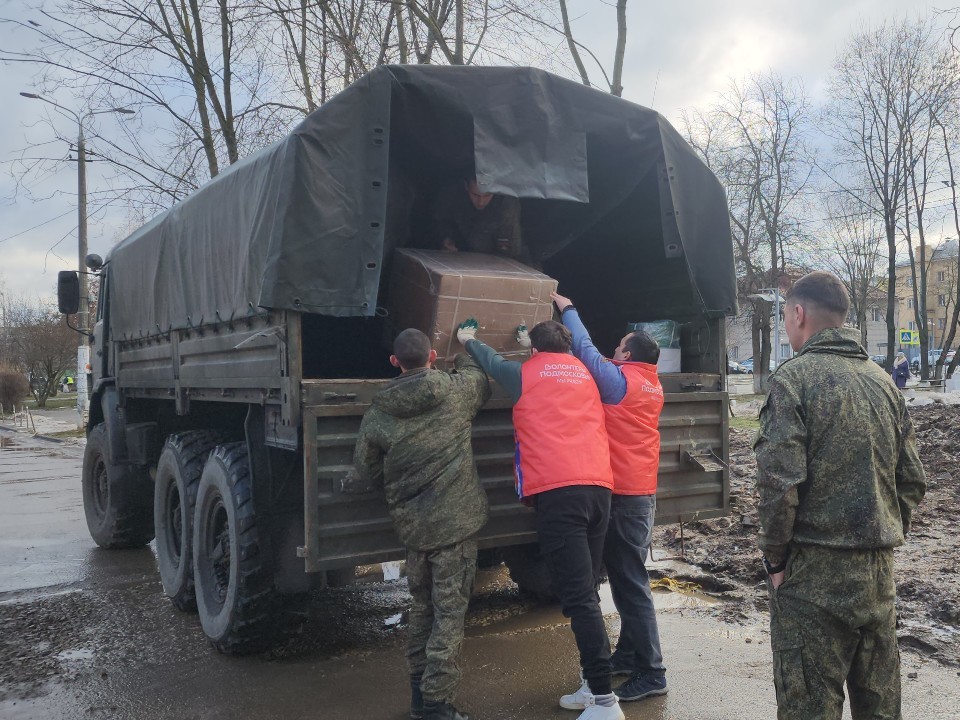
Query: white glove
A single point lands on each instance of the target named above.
(523, 336)
(467, 330)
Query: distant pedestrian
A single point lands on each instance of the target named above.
(838, 477)
(901, 370)
(415, 444)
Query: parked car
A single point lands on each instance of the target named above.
(735, 368)
(880, 360)
(748, 364)
(932, 357)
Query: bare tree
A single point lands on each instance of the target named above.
(951, 140)
(213, 80)
(613, 80)
(853, 253)
(755, 139)
(41, 345)
(873, 107)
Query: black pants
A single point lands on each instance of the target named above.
(571, 526)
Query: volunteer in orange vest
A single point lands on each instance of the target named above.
(632, 401)
(563, 468)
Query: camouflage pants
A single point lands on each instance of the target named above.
(440, 582)
(833, 621)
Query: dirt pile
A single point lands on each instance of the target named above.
(928, 585)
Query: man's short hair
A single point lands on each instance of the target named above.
(642, 347)
(823, 290)
(551, 336)
(412, 348)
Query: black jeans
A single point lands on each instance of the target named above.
(571, 526)
(625, 554)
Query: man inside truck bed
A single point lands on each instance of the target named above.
(563, 469)
(464, 217)
(414, 442)
(632, 402)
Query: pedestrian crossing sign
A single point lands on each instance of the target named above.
(909, 337)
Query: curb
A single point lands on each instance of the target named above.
(37, 436)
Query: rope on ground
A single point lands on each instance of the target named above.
(678, 586)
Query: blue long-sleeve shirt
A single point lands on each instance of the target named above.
(609, 377)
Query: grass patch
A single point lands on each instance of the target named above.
(78, 433)
(745, 423)
(749, 398)
(54, 403)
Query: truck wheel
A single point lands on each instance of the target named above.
(529, 571)
(174, 498)
(117, 499)
(236, 599)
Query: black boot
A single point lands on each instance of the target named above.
(416, 698)
(434, 710)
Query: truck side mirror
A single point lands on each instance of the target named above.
(68, 292)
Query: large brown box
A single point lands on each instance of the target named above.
(436, 291)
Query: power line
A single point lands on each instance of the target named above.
(46, 222)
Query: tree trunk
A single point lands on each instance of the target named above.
(572, 44)
(616, 82)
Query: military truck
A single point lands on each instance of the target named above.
(239, 335)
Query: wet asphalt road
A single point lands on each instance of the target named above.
(87, 633)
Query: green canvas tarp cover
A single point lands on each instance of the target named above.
(300, 224)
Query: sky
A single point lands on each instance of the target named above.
(679, 55)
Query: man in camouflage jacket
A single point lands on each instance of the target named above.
(838, 476)
(414, 442)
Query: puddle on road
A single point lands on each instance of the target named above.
(77, 654)
(393, 621)
(545, 615)
(6, 442)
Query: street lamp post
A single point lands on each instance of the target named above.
(83, 314)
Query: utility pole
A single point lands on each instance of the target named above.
(83, 312)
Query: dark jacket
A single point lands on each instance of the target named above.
(901, 373)
(415, 442)
(837, 461)
(454, 218)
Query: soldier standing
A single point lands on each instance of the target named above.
(414, 442)
(838, 476)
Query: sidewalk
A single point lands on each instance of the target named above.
(44, 422)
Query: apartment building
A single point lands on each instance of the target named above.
(940, 298)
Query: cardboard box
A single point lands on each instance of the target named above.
(435, 291)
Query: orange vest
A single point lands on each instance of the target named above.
(558, 424)
(633, 432)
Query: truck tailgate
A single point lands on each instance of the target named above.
(344, 530)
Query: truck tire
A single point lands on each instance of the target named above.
(117, 499)
(236, 599)
(529, 571)
(174, 499)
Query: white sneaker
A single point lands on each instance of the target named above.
(577, 700)
(601, 712)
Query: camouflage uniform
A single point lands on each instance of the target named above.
(415, 442)
(456, 219)
(838, 476)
